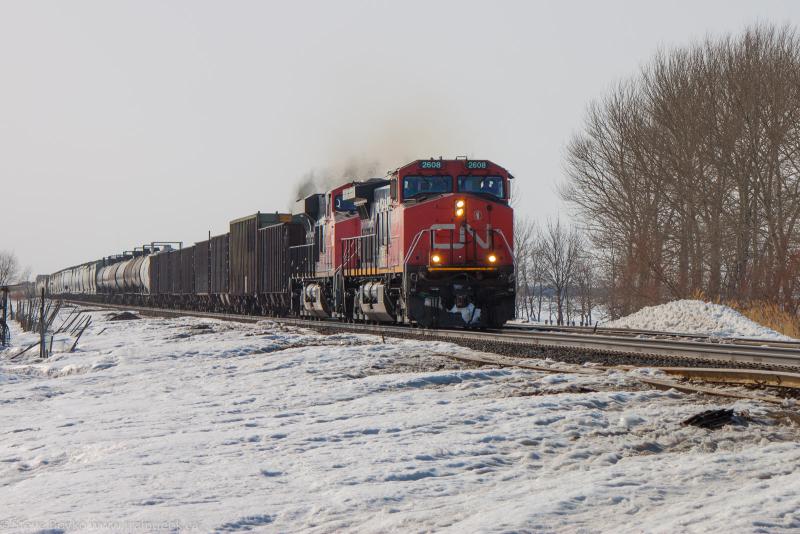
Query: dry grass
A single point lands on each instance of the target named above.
(764, 313)
(769, 315)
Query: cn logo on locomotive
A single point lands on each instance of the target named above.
(442, 240)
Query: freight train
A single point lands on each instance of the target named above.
(429, 244)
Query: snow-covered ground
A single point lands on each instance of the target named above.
(696, 317)
(199, 425)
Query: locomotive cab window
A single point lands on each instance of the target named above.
(488, 185)
(343, 206)
(421, 186)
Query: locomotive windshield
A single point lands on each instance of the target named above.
(418, 186)
(489, 185)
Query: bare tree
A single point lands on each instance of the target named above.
(529, 268)
(687, 176)
(585, 288)
(560, 249)
(537, 271)
(9, 268)
(523, 235)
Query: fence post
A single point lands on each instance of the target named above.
(4, 323)
(42, 327)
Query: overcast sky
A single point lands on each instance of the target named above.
(127, 122)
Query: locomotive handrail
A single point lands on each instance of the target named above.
(429, 231)
(508, 247)
(414, 244)
(341, 267)
(354, 238)
(354, 246)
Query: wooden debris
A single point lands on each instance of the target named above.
(711, 419)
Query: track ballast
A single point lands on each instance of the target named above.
(568, 347)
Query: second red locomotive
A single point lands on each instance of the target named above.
(429, 244)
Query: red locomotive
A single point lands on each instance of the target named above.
(430, 244)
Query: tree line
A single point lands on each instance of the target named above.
(554, 274)
(10, 269)
(686, 177)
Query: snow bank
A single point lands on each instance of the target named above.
(696, 317)
(194, 425)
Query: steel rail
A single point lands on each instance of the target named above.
(737, 376)
(631, 332)
(685, 349)
(727, 377)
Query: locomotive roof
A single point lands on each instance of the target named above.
(485, 165)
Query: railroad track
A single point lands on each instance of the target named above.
(570, 347)
(630, 332)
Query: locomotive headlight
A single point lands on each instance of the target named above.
(492, 258)
(460, 207)
(436, 258)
